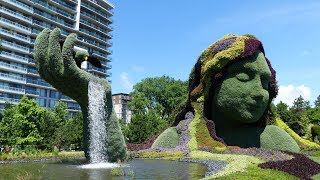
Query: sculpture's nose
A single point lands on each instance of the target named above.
(259, 92)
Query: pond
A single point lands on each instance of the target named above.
(142, 168)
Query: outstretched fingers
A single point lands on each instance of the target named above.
(67, 52)
(54, 55)
(40, 52)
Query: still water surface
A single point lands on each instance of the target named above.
(142, 168)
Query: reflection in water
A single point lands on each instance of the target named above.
(143, 169)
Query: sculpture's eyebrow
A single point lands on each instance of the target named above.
(243, 67)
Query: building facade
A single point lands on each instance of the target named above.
(120, 105)
(22, 20)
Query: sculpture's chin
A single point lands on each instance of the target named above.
(250, 117)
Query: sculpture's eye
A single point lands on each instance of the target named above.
(243, 77)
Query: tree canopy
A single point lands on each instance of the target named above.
(154, 101)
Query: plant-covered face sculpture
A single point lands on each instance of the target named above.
(234, 80)
(243, 95)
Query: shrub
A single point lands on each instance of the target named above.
(236, 163)
(274, 137)
(303, 143)
(300, 166)
(118, 171)
(163, 154)
(168, 139)
(254, 172)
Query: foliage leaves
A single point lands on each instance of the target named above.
(154, 103)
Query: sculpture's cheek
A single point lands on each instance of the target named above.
(239, 101)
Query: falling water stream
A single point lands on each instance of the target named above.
(97, 127)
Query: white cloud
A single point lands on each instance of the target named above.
(125, 82)
(289, 93)
(305, 53)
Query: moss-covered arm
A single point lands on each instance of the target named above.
(57, 66)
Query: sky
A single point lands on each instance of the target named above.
(152, 38)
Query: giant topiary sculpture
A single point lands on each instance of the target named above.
(57, 66)
(230, 91)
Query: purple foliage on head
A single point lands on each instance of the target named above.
(273, 88)
(251, 46)
(224, 44)
(145, 145)
(212, 130)
(300, 166)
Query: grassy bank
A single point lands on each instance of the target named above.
(35, 154)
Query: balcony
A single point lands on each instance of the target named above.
(101, 56)
(94, 19)
(94, 35)
(64, 5)
(13, 90)
(101, 71)
(20, 5)
(12, 78)
(66, 98)
(10, 100)
(52, 9)
(96, 11)
(12, 68)
(33, 72)
(38, 83)
(103, 8)
(14, 25)
(32, 93)
(73, 108)
(15, 47)
(15, 36)
(14, 57)
(89, 43)
(53, 19)
(15, 14)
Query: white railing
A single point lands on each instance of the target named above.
(13, 67)
(16, 24)
(18, 36)
(15, 45)
(9, 76)
(19, 90)
(22, 5)
(16, 57)
(16, 14)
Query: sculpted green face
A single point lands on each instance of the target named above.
(243, 95)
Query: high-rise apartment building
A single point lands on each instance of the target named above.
(22, 20)
(120, 105)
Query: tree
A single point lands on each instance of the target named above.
(60, 110)
(154, 101)
(161, 94)
(19, 123)
(144, 126)
(70, 133)
(48, 125)
(282, 110)
(317, 102)
(299, 107)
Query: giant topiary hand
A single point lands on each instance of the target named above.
(57, 66)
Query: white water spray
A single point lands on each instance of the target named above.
(96, 119)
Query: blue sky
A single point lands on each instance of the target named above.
(154, 38)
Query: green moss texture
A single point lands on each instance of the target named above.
(168, 139)
(57, 66)
(274, 137)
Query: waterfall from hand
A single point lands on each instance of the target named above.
(97, 127)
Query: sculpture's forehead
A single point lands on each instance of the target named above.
(255, 64)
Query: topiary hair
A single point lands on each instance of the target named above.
(211, 68)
